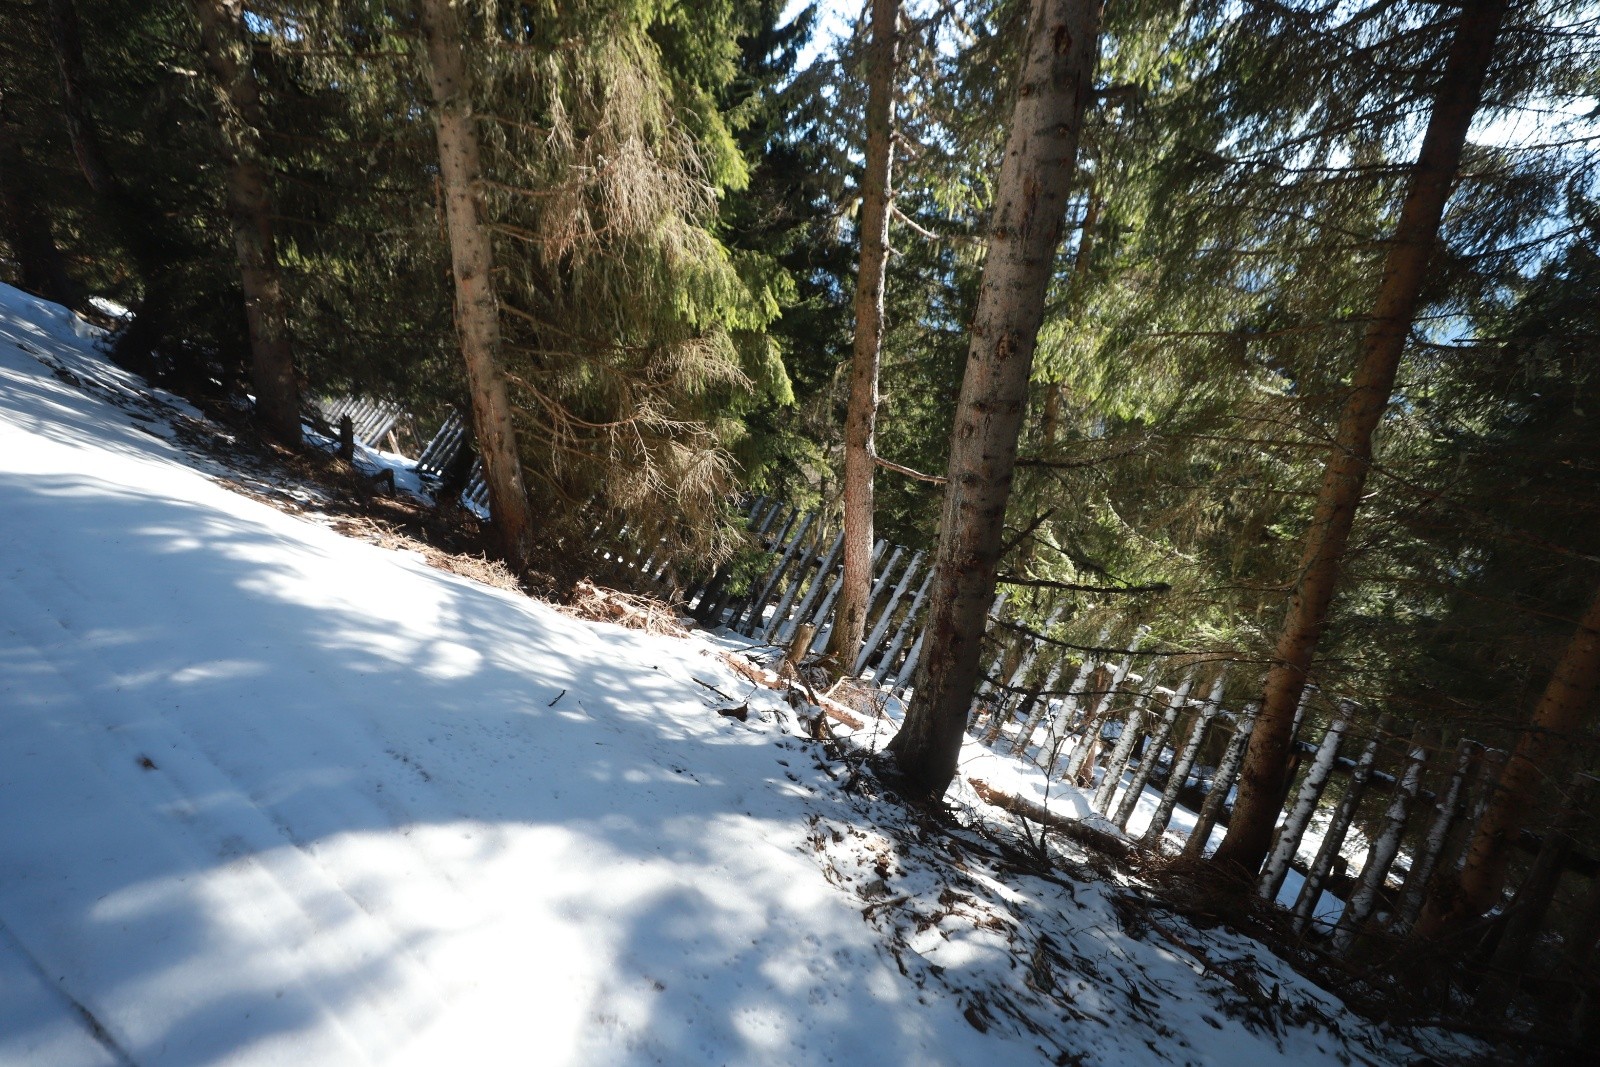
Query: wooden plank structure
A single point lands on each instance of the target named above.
(1118, 695)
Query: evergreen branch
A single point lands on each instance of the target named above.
(1038, 521)
(1047, 583)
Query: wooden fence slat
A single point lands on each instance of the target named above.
(1221, 784)
(1426, 857)
(1092, 719)
(874, 639)
(734, 608)
(1338, 826)
(1361, 903)
(1152, 754)
(1179, 775)
(986, 677)
(1305, 804)
(758, 604)
(1041, 709)
(802, 614)
(1117, 763)
(908, 669)
(799, 573)
(1025, 664)
(1058, 722)
(823, 620)
(908, 626)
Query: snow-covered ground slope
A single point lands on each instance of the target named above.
(271, 795)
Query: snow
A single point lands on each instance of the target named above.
(270, 795)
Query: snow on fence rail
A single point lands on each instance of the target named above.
(1160, 761)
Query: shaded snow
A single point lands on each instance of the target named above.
(273, 796)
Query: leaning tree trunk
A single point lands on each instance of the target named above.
(41, 267)
(1030, 199)
(236, 109)
(477, 312)
(1405, 268)
(860, 448)
(1567, 698)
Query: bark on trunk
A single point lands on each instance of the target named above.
(136, 343)
(41, 267)
(1405, 268)
(1567, 698)
(477, 313)
(236, 110)
(66, 39)
(860, 448)
(1031, 197)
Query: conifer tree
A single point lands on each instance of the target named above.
(477, 314)
(1030, 198)
(237, 113)
(1261, 777)
(872, 228)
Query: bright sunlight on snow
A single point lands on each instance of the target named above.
(269, 795)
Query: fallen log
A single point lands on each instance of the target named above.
(1098, 840)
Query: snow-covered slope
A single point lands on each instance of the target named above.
(270, 795)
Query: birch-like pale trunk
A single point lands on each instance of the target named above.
(471, 261)
(860, 425)
(1361, 903)
(236, 111)
(1181, 765)
(1426, 858)
(1333, 840)
(1405, 270)
(1030, 199)
(1299, 817)
(1152, 755)
(1567, 699)
(1221, 785)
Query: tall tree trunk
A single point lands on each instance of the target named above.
(860, 448)
(1432, 179)
(1030, 199)
(66, 39)
(136, 342)
(477, 312)
(237, 113)
(27, 224)
(1567, 698)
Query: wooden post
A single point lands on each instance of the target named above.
(1181, 767)
(1362, 902)
(1299, 817)
(1427, 854)
(797, 648)
(1221, 783)
(1333, 840)
(1152, 754)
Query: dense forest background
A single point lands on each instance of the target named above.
(630, 238)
